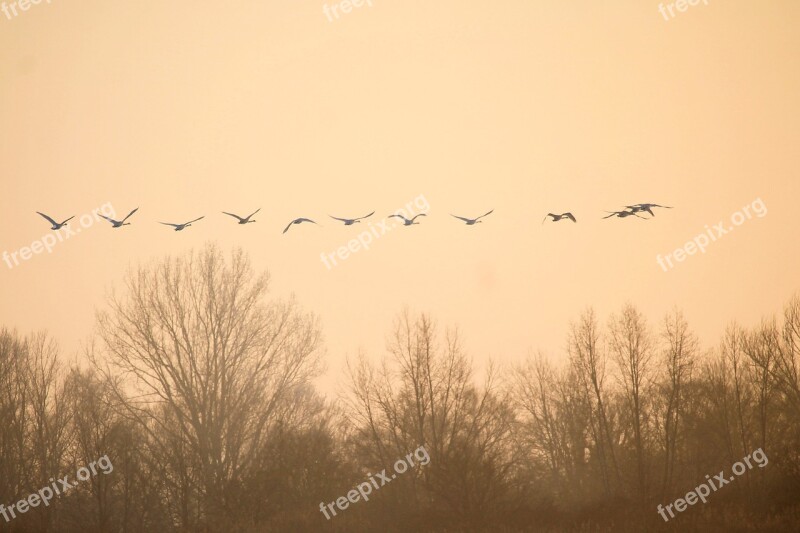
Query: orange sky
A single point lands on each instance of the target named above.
(525, 107)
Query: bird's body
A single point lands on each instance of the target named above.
(351, 221)
(556, 218)
(645, 207)
(472, 221)
(181, 227)
(119, 223)
(245, 220)
(298, 221)
(623, 214)
(406, 221)
(55, 225)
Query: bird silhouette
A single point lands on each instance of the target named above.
(119, 223)
(645, 207)
(472, 221)
(55, 225)
(298, 221)
(245, 220)
(407, 222)
(351, 221)
(556, 218)
(181, 227)
(623, 214)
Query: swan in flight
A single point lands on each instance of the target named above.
(623, 214)
(351, 221)
(407, 222)
(298, 221)
(645, 207)
(245, 220)
(181, 227)
(556, 218)
(472, 221)
(56, 225)
(119, 223)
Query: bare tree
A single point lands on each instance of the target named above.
(632, 349)
(732, 350)
(552, 423)
(16, 463)
(422, 394)
(588, 360)
(777, 351)
(50, 414)
(194, 340)
(681, 347)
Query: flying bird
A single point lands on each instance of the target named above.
(245, 220)
(645, 207)
(407, 222)
(556, 218)
(119, 223)
(351, 221)
(623, 214)
(472, 221)
(298, 221)
(181, 227)
(56, 225)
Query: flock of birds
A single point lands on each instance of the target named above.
(630, 210)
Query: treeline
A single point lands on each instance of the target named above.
(198, 389)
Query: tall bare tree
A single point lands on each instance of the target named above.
(632, 348)
(588, 359)
(192, 338)
(681, 346)
(423, 394)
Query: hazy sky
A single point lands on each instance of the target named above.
(186, 109)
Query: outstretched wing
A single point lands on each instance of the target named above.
(570, 216)
(289, 226)
(109, 219)
(237, 217)
(366, 216)
(485, 214)
(127, 217)
(305, 220)
(420, 215)
(340, 219)
(398, 216)
(168, 224)
(458, 217)
(70, 218)
(613, 214)
(50, 220)
(254, 212)
(195, 220)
